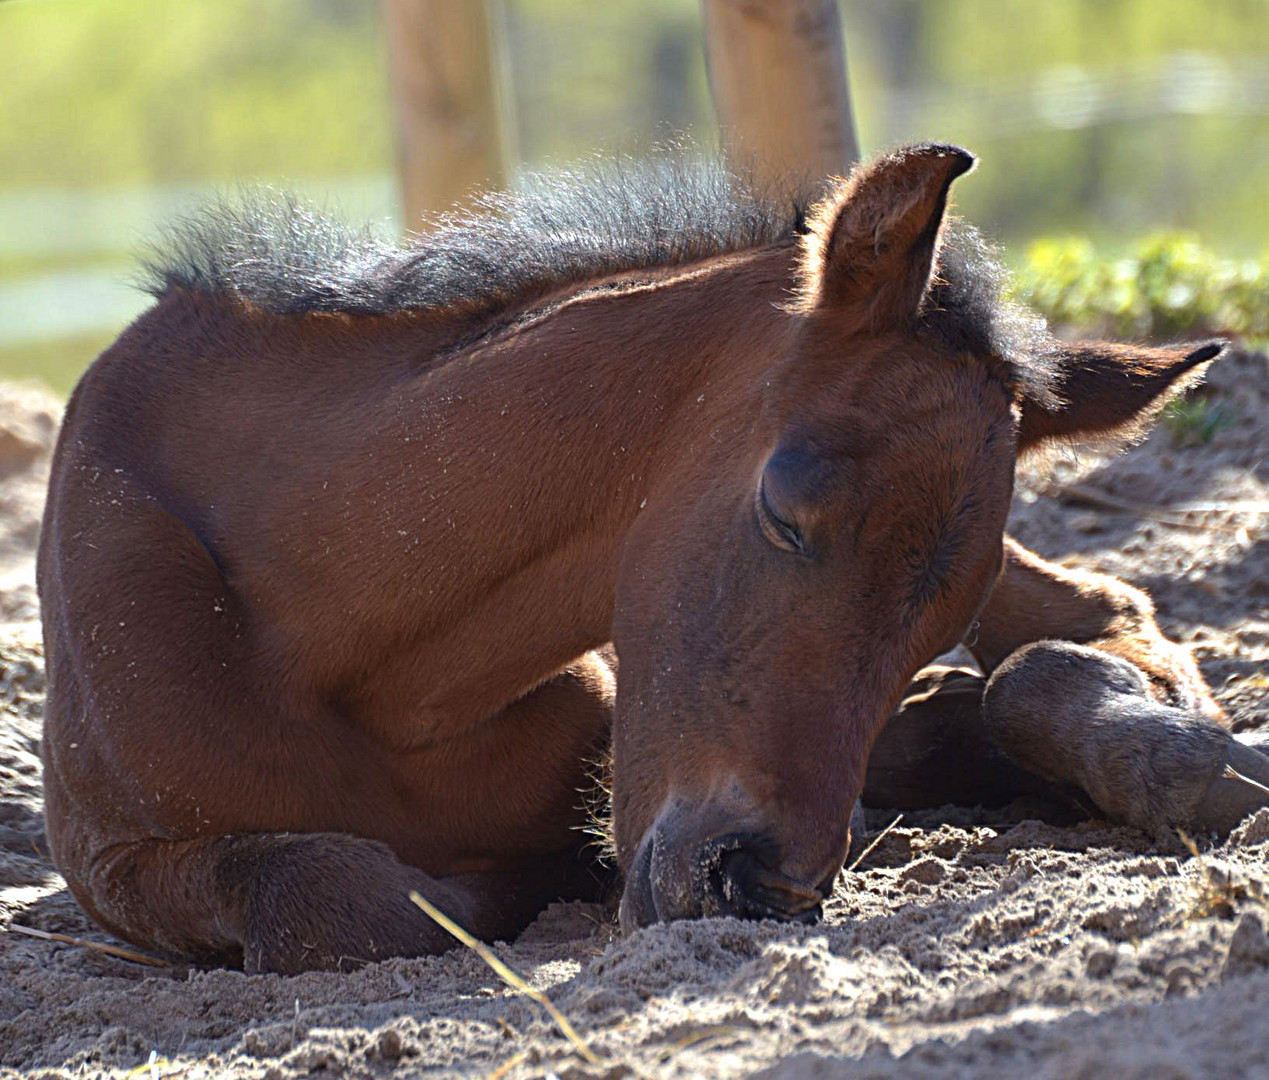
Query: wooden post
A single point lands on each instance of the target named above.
(777, 69)
(444, 60)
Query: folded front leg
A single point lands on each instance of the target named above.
(1078, 716)
(936, 750)
(1035, 599)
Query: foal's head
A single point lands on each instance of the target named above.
(776, 597)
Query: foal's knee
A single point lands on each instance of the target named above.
(1173, 678)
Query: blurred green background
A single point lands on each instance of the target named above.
(1104, 119)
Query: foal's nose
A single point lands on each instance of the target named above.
(747, 889)
(734, 874)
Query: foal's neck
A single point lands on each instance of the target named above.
(514, 470)
(597, 397)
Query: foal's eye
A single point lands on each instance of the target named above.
(777, 526)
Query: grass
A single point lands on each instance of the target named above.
(1168, 285)
(1195, 421)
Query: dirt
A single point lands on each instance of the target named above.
(970, 943)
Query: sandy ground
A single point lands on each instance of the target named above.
(970, 943)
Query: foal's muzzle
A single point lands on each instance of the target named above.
(731, 875)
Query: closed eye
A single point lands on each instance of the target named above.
(778, 530)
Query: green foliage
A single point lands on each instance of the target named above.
(1167, 286)
(118, 92)
(1195, 421)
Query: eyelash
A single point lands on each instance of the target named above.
(783, 534)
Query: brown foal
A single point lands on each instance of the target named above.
(335, 530)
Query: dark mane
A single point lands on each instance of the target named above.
(558, 229)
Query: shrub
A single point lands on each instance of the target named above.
(1168, 286)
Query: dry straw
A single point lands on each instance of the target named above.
(868, 850)
(503, 972)
(95, 946)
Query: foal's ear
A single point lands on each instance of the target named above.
(1106, 390)
(872, 241)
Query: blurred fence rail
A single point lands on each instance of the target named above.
(1071, 97)
(454, 134)
(777, 69)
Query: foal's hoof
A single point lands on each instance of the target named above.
(1083, 717)
(1242, 787)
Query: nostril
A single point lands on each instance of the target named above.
(740, 880)
(754, 892)
(710, 879)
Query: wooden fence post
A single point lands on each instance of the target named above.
(777, 69)
(453, 133)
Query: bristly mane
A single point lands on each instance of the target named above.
(559, 229)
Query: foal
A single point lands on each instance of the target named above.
(334, 530)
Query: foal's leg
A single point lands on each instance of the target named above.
(1065, 723)
(1079, 716)
(936, 750)
(1156, 708)
(1035, 599)
(290, 901)
(196, 808)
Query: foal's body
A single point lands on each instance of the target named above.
(388, 671)
(321, 588)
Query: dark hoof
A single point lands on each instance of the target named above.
(1242, 788)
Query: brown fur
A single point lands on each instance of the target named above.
(1035, 599)
(321, 590)
(1087, 719)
